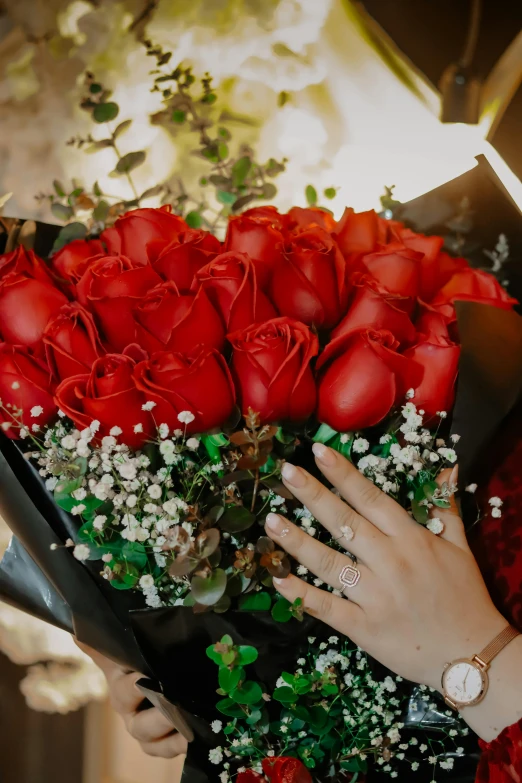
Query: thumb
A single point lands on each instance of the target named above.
(450, 517)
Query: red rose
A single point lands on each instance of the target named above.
(133, 231)
(375, 308)
(365, 379)
(309, 284)
(26, 305)
(285, 769)
(258, 237)
(270, 213)
(472, 285)
(25, 262)
(69, 262)
(180, 259)
(359, 232)
(396, 268)
(439, 357)
(109, 395)
(71, 342)
(249, 776)
(433, 323)
(231, 285)
(169, 321)
(301, 218)
(199, 383)
(271, 365)
(111, 287)
(25, 383)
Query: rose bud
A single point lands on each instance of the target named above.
(26, 305)
(25, 262)
(69, 263)
(180, 259)
(271, 368)
(397, 269)
(71, 342)
(133, 231)
(231, 285)
(374, 307)
(109, 395)
(472, 285)
(358, 232)
(111, 287)
(259, 238)
(302, 218)
(439, 357)
(167, 320)
(309, 284)
(199, 383)
(364, 380)
(25, 384)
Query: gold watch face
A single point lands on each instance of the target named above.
(464, 683)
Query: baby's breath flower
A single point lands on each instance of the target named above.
(186, 417)
(81, 552)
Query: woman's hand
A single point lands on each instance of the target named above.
(149, 727)
(420, 601)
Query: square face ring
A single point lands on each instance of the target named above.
(349, 576)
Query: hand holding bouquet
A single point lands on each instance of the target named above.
(160, 380)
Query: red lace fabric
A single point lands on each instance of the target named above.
(497, 544)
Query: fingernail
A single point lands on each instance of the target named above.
(277, 581)
(324, 454)
(274, 523)
(293, 475)
(454, 475)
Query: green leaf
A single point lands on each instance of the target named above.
(64, 488)
(255, 602)
(249, 693)
(68, 234)
(324, 434)
(329, 689)
(226, 198)
(96, 146)
(247, 654)
(208, 591)
(285, 695)
(105, 112)
(130, 161)
(230, 708)
(311, 195)
(62, 212)
(59, 189)
(254, 717)
(96, 190)
(223, 150)
(213, 655)
(241, 170)
(269, 191)
(95, 88)
(229, 678)
(223, 133)
(330, 192)
(135, 553)
(100, 211)
(121, 128)
(178, 116)
(193, 219)
(281, 611)
(236, 519)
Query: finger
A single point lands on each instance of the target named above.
(353, 532)
(345, 616)
(167, 748)
(450, 517)
(125, 696)
(149, 726)
(323, 561)
(361, 493)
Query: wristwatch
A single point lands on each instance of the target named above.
(465, 681)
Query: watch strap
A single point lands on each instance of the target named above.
(494, 647)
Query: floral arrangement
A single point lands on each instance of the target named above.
(158, 378)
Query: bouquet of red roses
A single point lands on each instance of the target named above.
(153, 380)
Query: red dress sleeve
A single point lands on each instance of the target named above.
(501, 760)
(497, 545)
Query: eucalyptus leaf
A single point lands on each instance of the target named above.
(236, 519)
(311, 195)
(62, 212)
(59, 188)
(100, 211)
(130, 161)
(121, 128)
(281, 611)
(68, 234)
(241, 170)
(105, 112)
(193, 219)
(208, 591)
(226, 198)
(249, 693)
(255, 602)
